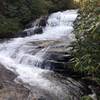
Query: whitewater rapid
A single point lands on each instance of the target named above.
(17, 54)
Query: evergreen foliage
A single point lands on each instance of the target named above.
(15, 14)
(86, 48)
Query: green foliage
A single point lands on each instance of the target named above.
(14, 14)
(62, 5)
(86, 98)
(8, 25)
(86, 48)
(17, 13)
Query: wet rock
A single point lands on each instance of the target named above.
(39, 24)
(59, 56)
(29, 25)
(21, 34)
(6, 35)
(38, 30)
(57, 61)
(53, 65)
(6, 75)
(43, 21)
(13, 35)
(13, 91)
(9, 90)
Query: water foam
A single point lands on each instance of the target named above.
(16, 54)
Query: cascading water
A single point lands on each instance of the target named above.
(22, 57)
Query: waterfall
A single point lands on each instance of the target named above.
(23, 56)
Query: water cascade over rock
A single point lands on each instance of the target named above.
(33, 58)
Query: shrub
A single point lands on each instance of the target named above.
(86, 48)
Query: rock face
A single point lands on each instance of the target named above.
(13, 91)
(6, 75)
(57, 56)
(9, 90)
(6, 35)
(39, 23)
(38, 30)
(21, 34)
(57, 61)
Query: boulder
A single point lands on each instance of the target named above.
(40, 22)
(12, 91)
(38, 30)
(9, 90)
(6, 35)
(20, 34)
(6, 75)
(43, 21)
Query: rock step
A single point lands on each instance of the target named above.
(60, 57)
(10, 90)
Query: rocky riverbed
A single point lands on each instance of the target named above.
(35, 64)
(10, 90)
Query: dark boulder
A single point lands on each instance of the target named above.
(58, 62)
(29, 25)
(13, 35)
(6, 35)
(38, 30)
(13, 91)
(5, 74)
(9, 90)
(21, 34)
(43, 21)
(40, 22)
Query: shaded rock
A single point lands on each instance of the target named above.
(38, 30)
(57, 61)
(6, 75)
(59, 56)
(53, 65)
(43, 21)
(13, 91)
(6, 35)
(38, 22)
(9, 90)
(21, 34)
(13, 35)
(29, 25)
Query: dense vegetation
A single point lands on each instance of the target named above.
(15, 14)
(86, 48)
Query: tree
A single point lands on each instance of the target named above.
(20, 12)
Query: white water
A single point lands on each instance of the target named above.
(16, 54)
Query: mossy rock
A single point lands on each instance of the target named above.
(86, 98)
(97, 10)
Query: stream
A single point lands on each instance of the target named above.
(25, 57)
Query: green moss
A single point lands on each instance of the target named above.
(86, 98)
